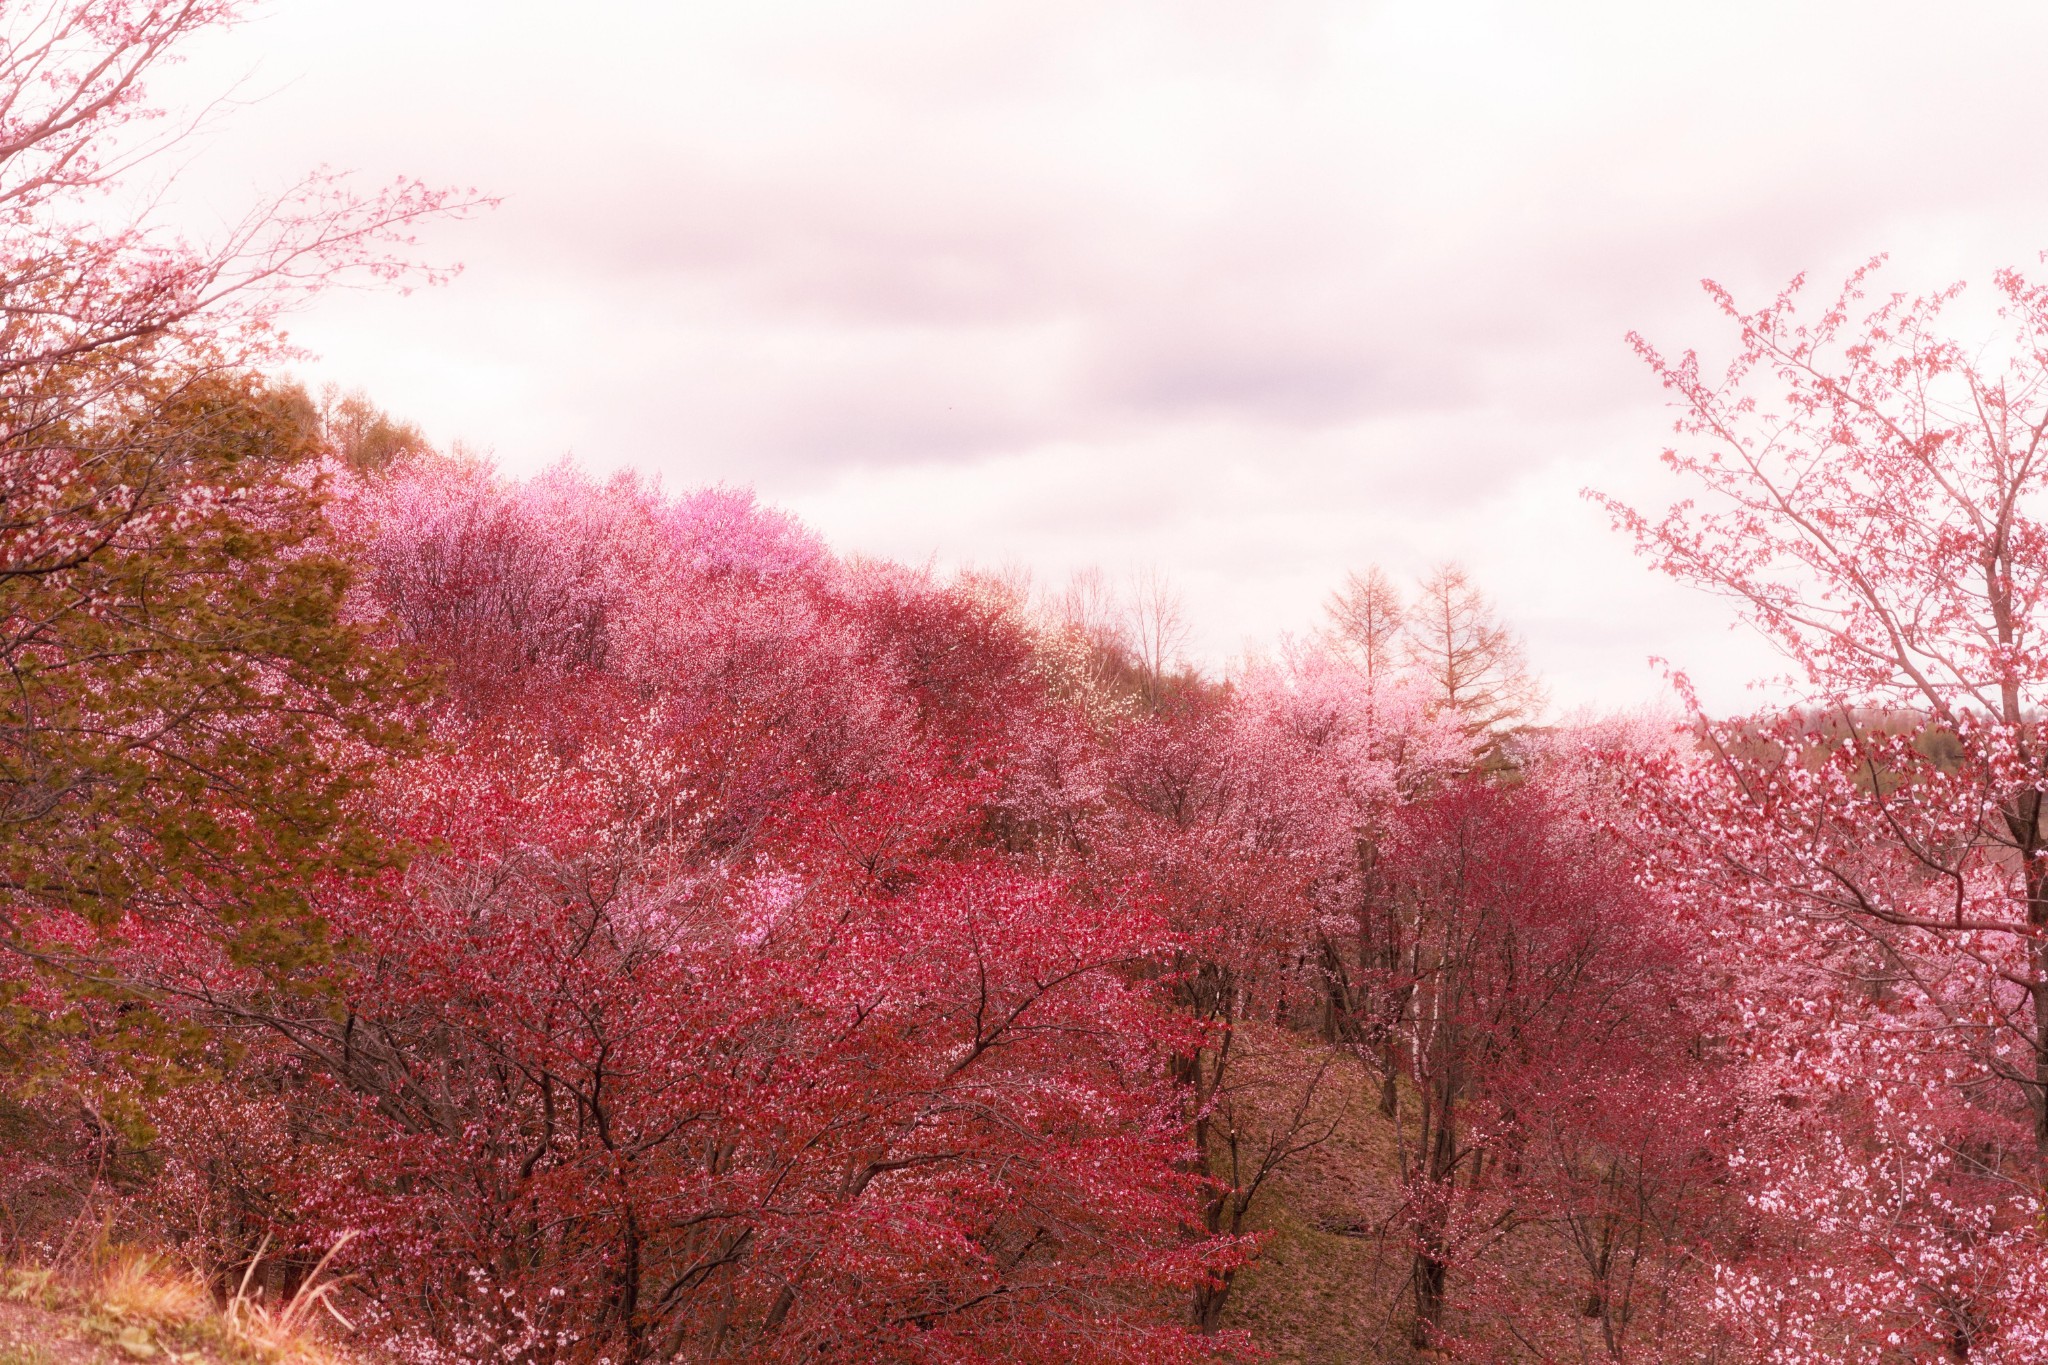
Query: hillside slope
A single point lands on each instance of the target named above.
(1331, 1282)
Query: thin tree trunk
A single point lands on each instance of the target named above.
(2024, 820)
(1430, 1272)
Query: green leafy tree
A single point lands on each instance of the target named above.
(187, 711)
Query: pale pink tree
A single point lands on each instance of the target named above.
(1875, 850)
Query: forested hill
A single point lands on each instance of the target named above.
(717, 947)
(454, 917)
(742, 950)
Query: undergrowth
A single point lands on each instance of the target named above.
(151, 1306)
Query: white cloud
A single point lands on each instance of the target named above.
(1254, 293)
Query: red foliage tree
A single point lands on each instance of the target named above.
(1541, 989)
(713, 1019)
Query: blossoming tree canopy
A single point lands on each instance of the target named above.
(1874, 499)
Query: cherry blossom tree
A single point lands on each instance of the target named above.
(1535, 976)
(1873, 854)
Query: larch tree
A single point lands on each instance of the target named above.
(1472, 660)
(1367, 617)
(362, 435)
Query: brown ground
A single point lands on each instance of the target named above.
(1330, 1284)
(32, 1335)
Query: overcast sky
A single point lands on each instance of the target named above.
(1251, 292)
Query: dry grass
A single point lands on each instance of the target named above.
(139, 1287)
(128, 1303)
(287, 1333)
